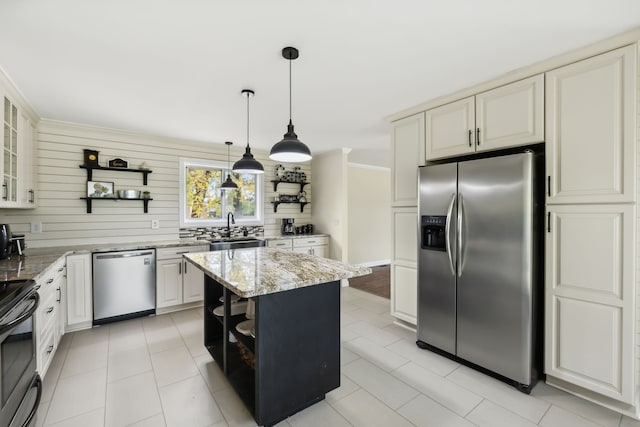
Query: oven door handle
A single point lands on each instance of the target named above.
(37, 382)
(25, 315)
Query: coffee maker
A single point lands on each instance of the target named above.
(10, 243)
(287, 226)
(5, 241)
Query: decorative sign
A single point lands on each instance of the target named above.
(118, 163)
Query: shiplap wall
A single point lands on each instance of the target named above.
(61, 183)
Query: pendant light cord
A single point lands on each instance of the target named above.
(290, 90)
(248, 96)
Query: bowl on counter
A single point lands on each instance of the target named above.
(129, 194)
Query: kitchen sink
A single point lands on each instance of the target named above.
(235, 243)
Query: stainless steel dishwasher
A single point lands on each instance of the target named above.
(124, 285)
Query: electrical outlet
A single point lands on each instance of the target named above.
(155, 224)
(36, 227)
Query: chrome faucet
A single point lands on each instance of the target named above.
(233, 221)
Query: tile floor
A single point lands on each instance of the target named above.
(155, 372)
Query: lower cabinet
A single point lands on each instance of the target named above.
(79, 292)
(177, 281)
(49, 316)
(404, 264)
(317, 245)
(589, 300)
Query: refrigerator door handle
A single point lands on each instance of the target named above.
(459, 235)
(447, 229)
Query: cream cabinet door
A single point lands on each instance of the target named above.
(407, 147)
(168, 282)
(510, 115)
(590, 129)
(589, 298)
(9, 164)
(321, 251)
(404, 284)
(79, 289)
(450, 129)
(192, 283)
(27, 153)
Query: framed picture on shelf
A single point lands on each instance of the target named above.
(100, 189)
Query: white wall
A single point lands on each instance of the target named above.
(369, 230)
(330, 212)
(61, 183)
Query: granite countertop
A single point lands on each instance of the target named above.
(37, 261)
(261, 271)
(296, 236)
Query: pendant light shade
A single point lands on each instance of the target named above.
(228, 184)
(247, 164)
(290, 149)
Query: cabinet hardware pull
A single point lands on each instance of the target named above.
(548, 222)
(59, 294)
(49, 281)
(60, 269)
(185, 267)
(478, 136)
(32, 196)
(5, 191)
(50, 309)
(182, 252)
(549, 185)
(49, 349)
(470, 137)
(180, 268)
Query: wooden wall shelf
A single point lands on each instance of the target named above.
(145, 172)
(91, 199)
(275, 205)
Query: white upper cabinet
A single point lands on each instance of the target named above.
(17, 171)
(9, 164)
(407, 147)
(510, 115)
(26, 186)
(503, 117)
(590, 129)
(450, 129)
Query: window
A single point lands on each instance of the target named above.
(204, 204)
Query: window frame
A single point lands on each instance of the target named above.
(222, 222)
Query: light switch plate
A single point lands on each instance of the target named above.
(155, 224)
(36, 227)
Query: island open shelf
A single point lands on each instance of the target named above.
(296, 352)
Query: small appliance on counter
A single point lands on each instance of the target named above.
(10, 243)
(5, 241)
(288, 227)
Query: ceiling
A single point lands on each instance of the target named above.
(176, 68)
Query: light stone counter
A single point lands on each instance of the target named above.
(260, 271)
(37, 261)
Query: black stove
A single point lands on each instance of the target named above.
(12, 291)
(20, 384)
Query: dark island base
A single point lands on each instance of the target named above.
(296, 350)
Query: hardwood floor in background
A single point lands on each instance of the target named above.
(377, 283)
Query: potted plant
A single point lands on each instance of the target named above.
(146, 194)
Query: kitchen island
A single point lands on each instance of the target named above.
(294, 359)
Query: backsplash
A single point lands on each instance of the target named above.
(205, 233)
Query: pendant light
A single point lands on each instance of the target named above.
(228, 184)
(290, 148)
(247, 164)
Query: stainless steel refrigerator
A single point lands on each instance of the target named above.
(479, 259)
